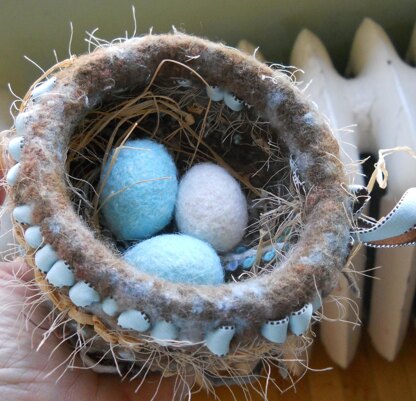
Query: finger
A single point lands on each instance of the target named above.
(17, 269)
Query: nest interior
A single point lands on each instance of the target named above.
(194, 129)
(135, 89)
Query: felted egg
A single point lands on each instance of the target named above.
(211, 206)
(177, 258)
(140, 188)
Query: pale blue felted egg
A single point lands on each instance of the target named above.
(140, 190)
(177, 258)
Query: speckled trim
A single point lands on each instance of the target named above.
(49, 120)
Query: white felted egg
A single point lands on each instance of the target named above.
(140, 187)
(211, 206)
(177, 258)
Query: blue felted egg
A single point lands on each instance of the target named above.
(140, 187)
(177, 258)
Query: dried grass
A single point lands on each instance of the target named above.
(194, 129)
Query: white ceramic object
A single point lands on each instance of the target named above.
(392, 122)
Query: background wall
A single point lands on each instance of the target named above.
(35, 27)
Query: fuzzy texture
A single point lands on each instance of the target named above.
(312, 266)
(211, 206)
(178, 259)
(139, 179)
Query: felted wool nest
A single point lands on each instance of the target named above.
(205, 102)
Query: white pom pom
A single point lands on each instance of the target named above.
(15, 147)
(109, 306)
(233, 102)
(33, 237)
(81, 294)
(61, 275)
(23, 214)
(134, 320)
(45, 258)
(12, 175)
(215, 93)
(43, 87)
(20, 124)
(211, 207)
(163, 332)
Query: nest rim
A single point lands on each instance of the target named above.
(304, 131)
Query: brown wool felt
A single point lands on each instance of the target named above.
(125, 69)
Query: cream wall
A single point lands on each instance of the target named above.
(35, 27)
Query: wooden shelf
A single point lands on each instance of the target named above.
(369, 378)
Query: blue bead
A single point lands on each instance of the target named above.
(284, 236)
(232, 266)
(248, 262)
(269, 255)
(282, 246)
(240, 249)
(139, 195)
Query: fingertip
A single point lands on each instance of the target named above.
(17, 269)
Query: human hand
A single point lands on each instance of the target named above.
(24, 371)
